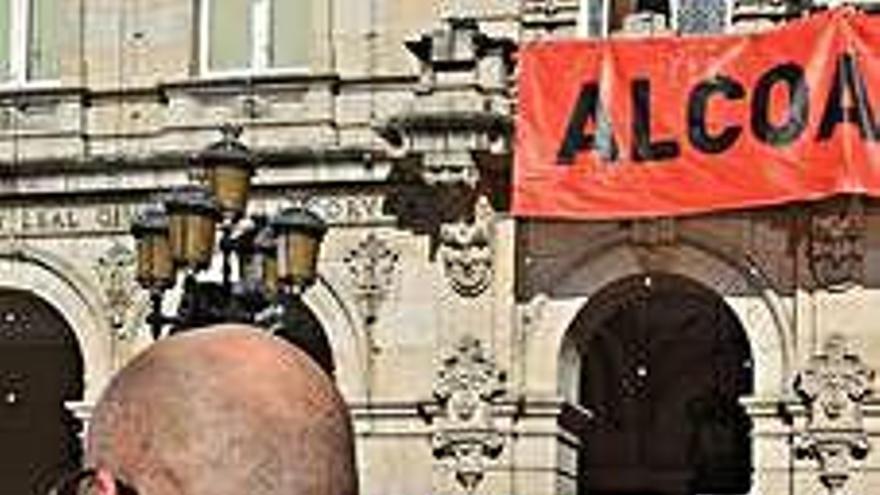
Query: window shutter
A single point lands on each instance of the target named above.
(43, 34)
(5, 35)
(291, 32)
(229, 43)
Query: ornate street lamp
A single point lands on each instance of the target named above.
(155, 266)
(276, 258)
(298, 234)
(192, 219)
(228, 166)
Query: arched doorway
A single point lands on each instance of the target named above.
(40, 368)
(663, 364)
(303, 329)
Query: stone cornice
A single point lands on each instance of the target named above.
(178, 160)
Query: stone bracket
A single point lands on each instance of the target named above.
(833, 388)
(467, 391)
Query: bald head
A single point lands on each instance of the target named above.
(226, 410)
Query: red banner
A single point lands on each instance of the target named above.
(680, 125)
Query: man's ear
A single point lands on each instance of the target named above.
(105, 483)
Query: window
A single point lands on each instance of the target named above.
(29, 36)
(601, 17)
(255, 35)
(703, 16)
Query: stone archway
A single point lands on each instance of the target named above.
(664, 362)
(41, 368)
(304, 330)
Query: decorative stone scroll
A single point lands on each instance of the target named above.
(836, 243)
(833, 387)
(467, 385)
(372, 265)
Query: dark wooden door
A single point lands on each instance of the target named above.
(663, 372)
(40, 368)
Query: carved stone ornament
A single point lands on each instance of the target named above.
(833, 387)
(372, 265)
(461, 114)
(836, 244)
(467, 385)
(466, 249)
(116, 273)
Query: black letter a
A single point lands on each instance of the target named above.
(859, 112)
(588, 108)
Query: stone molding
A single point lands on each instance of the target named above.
(653, 233)
(697, 254)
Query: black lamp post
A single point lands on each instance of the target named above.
(275, 259)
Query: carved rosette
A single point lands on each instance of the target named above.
(833, 387)
(116, 272)
(372, 266)
(467, 385)
(836, 243)
(466, 249)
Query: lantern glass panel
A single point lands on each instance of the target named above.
(177, 234)
(162, 264)
(231, 186)
(155, 269)
(298, 257)
(199, 240)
